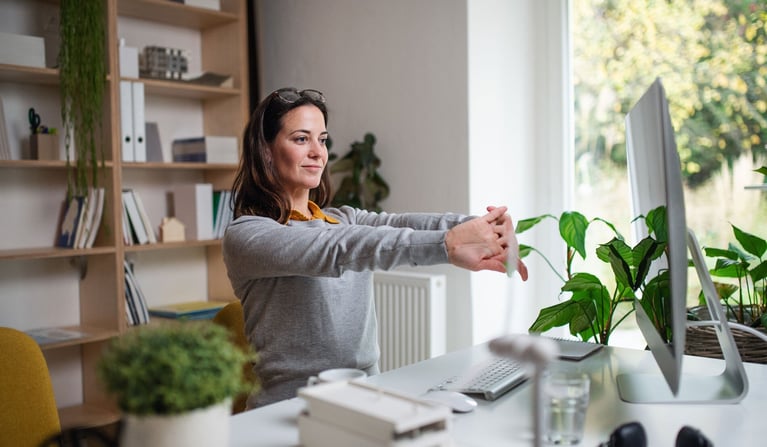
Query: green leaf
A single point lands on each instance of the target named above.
(759, 272)
(656, 223)
(752, 244)
(720, 253)
(557, 315)
(646, 251)
(725, 290)
(618, 255)
(584, 314)
(582, 281)
(655, 299)
(572, 228)
(525, 224)
(762, 170)
(595, 305)
(726, 268)
(524, 251)
(763, 319)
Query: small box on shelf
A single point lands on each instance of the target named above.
(45, 146)
(20, 49)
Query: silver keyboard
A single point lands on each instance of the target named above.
(490, 379)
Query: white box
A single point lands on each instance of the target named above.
(354, 414)
(128, 62)
(193, 206)
(19, 49)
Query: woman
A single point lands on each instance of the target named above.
(304, 272)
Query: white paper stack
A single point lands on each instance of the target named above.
(354, 414)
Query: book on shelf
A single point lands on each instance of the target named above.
(136, 310)
(45, 336)
(222, 212)
(139, 226)
(190, 310)
(90, 219)
(5, 148)
(69, 221)
(153, 143)
(80, 219)
(144, 218)
(127, 235)
(207, 149)
(95, 221)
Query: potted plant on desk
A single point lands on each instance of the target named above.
(742, 288)
(591, 309)
(175, 382)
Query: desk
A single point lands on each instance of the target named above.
(507, 421)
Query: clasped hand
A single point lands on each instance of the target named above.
(483, 243)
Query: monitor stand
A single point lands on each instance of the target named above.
(730, 386)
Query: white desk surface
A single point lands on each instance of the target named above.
(507, 420)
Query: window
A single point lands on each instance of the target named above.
(711, 55)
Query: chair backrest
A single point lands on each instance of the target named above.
(232, 317)
(28, 413)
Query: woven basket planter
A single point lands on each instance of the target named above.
(702, 341)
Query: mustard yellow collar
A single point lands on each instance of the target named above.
(316, 214)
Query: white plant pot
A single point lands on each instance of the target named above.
(206, 427)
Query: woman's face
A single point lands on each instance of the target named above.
(299, 151)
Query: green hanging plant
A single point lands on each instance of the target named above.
(82, 73)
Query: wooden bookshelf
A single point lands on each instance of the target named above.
(93, 278)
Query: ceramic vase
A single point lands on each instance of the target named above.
(205, 427)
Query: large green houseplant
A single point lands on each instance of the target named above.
(82, 76)
(361, 185)
(591, 308)
(166, 374)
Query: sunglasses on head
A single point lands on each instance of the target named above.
(290, 95)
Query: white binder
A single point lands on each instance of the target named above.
(126, 121)
(139, 125)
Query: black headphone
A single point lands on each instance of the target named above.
(632, 434)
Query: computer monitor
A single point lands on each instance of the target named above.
(655, 178)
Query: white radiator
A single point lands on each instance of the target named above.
(410, 308)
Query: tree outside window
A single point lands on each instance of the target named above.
(712, 57)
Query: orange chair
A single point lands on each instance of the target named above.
(232, 317)
(28, 413)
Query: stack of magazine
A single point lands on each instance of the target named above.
(135, 303)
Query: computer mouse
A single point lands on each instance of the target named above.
(458, 402)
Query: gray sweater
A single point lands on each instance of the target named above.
(306, 287)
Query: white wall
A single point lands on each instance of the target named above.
(518, 102)
(453, 91)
